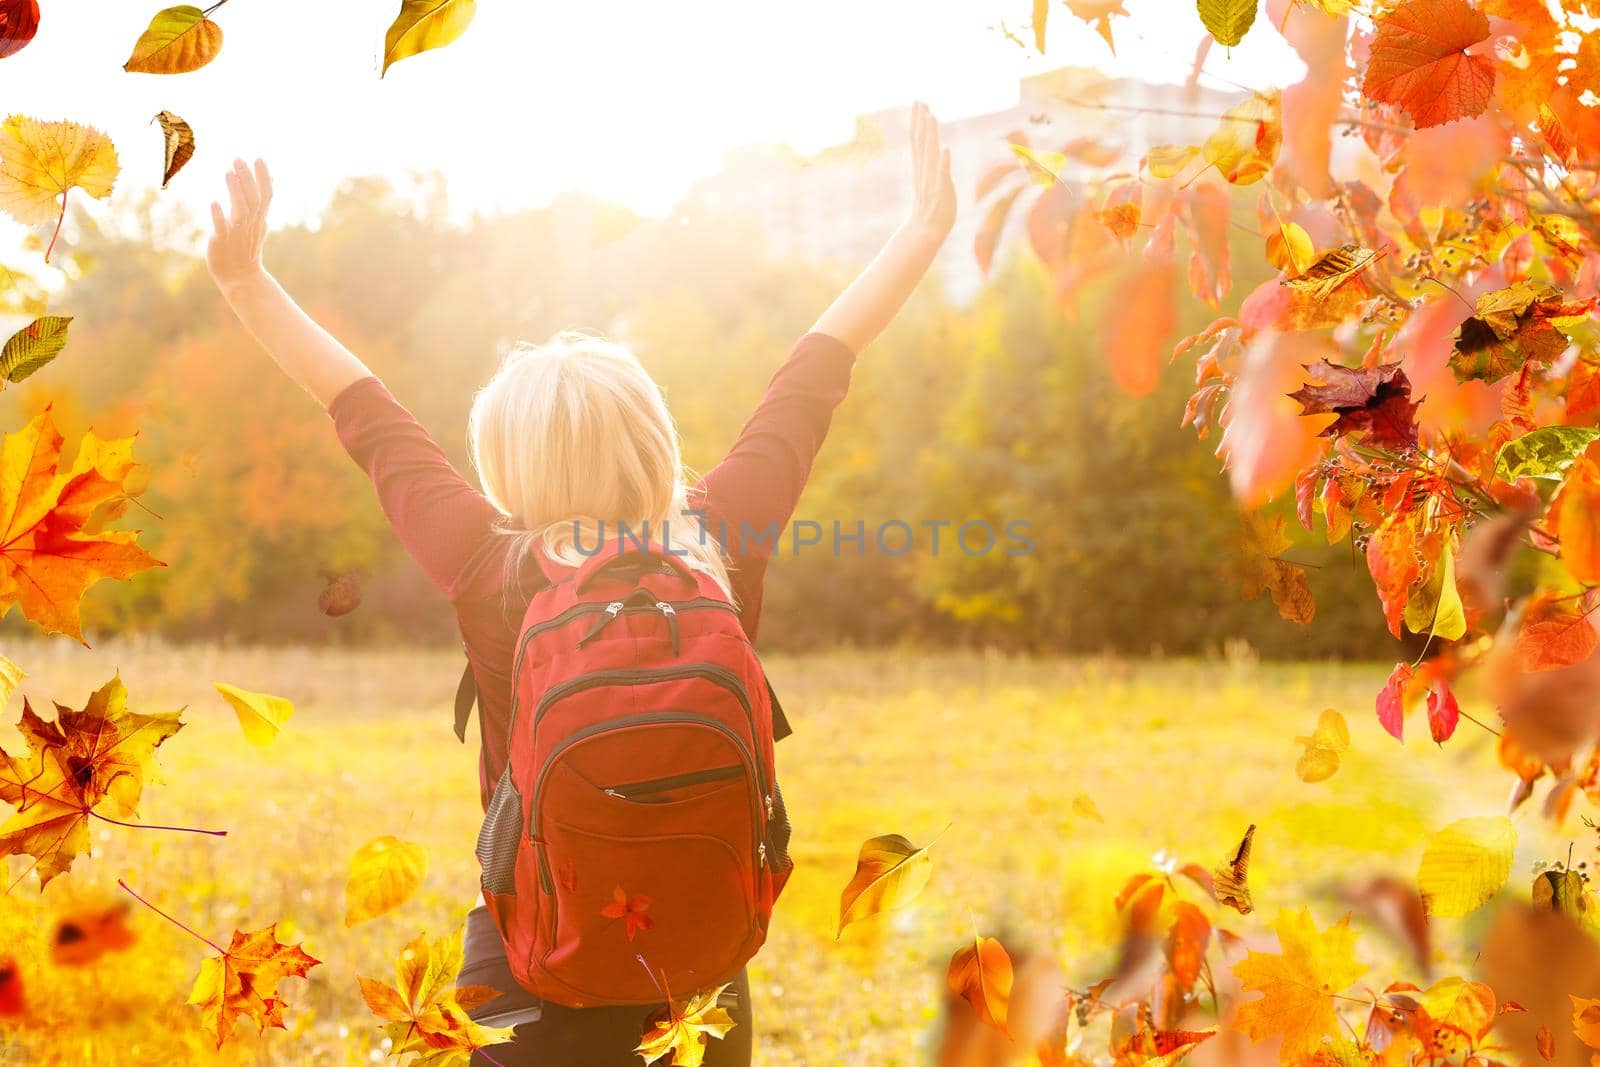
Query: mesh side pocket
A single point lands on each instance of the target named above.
(778, 833)
(497, 841)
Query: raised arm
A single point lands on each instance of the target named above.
(876, 296)
(307, 353)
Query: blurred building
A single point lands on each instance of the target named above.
(840, 204)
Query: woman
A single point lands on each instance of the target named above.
(566, 437)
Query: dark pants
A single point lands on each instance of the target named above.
(551, 1035)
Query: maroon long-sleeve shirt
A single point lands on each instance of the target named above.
(450, 528)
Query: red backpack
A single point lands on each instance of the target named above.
(637, 839)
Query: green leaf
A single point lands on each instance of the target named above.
(423, 25)
(1545, 453)
(1228, 20)
(33, 346)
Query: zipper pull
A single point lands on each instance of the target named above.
(670, 613)
(613, 609)
(769, 806)
(762, 853)
(614, 793)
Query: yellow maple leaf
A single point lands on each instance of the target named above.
(682, 1029)
(83, 762)
(244, 979)
(426, 1012)
(51, 546)
(1299, 985)
(41, 162)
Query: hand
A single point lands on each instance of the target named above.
(933, 194)
(238, 237)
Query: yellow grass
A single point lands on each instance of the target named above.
(1177, 755)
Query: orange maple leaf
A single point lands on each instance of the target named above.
(1420, 61)
(52, 546)
(1299, 985)
(84, 761)
(632, 909)
(244, 979)
(425, 1011)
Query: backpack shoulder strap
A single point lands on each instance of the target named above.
(466, 698)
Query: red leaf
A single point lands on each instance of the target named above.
(1419, 61)
(1443, 711)
(1555, 633)
(11, 1002)
(19, 21)
(1391, 701)
(1375, 400)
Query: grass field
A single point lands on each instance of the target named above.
(1177, 755)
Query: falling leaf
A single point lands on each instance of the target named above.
(11, 677)
(1586, 1020)
(1546, 1042)
(1375, 401)
(384, 874)
(1561, 889)
(1230, 880)
(179, 145)
(1320, 760)
(1042, 168)
(1543, 453)
(1419, 61)
(261, 715)
(1465, 864)
(1457, 1004)
(890, 873)
(1262, 567)
(1331, 270)
(340, 596)
(42, 162)
(88, 930)
(19, 21)
(243, 981)
(1084, 807)
(981, 975)
(1299, 985)
(425, 1012)
(33, 347)
(633, 910)
(85, 760)
(1098, 14)
(12, 1003)
(1512, 326)
(180, 39)
(1228, 20)
(1168, 160)
(423, 25)
(1246, 142)
(683, 1028)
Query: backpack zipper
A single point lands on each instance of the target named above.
(578, 611)
(757, 848)
(644, 676)
(634, 790)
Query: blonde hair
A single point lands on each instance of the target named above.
(572, 438)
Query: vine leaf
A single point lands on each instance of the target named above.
(42, 162)
(1420, 63)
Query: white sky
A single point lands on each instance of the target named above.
(629, 99)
